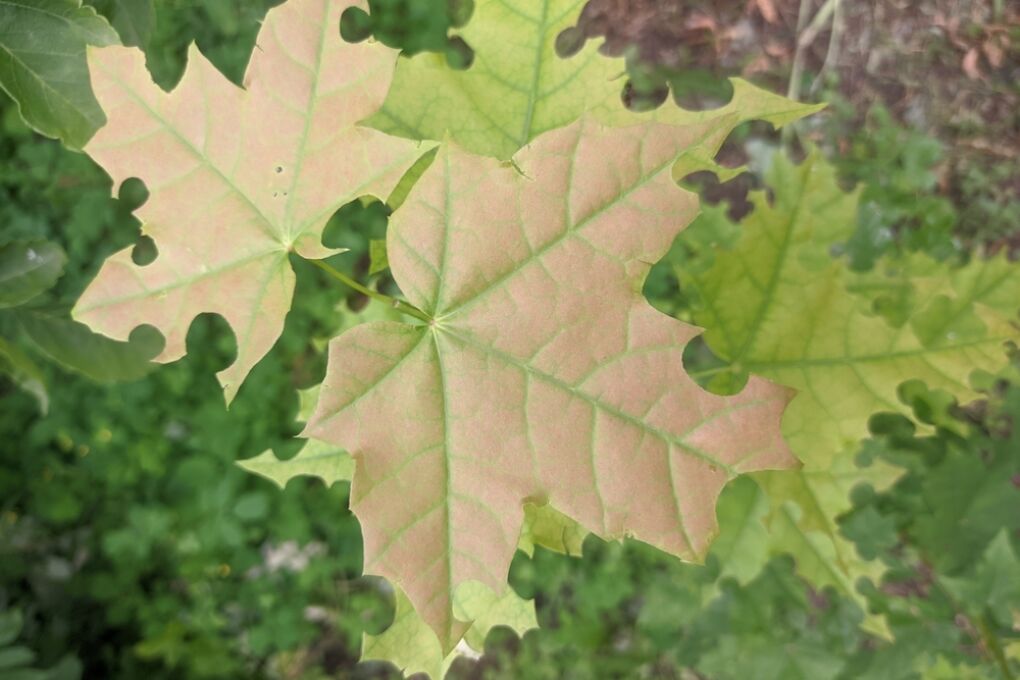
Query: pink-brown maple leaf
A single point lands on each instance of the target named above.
(544, 374)
(238, 178)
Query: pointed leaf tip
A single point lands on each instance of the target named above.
(238, 178)
(545, 373)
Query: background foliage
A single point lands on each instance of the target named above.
(131, 545)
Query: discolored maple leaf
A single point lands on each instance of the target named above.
(543, 375)
(238, 178)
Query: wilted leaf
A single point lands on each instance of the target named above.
(238, 178)
(28, 269)
(970, 64)
(544, 374)
(42, 65)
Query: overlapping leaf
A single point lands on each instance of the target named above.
(519, 88)
(42, 65)
(316, 458)
(544, 375)
(775, 303)
(238, 178)
(413, 647)
(74, 346)
(133, 19)
(407, 642)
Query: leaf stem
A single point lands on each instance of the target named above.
(399, 305)
(994, 648)
(709, 372)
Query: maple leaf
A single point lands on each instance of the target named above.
(238, 178)
(778, 282)
(412, 646)
(316, 458)
(408, 642)
(519, 88)
(543, 375)
(774, 302)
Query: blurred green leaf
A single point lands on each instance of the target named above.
(10, 626)
(42, 65)
(74, 346)
(994, 584)
(134, 20)
(23, 371)
(13, 657)
(28, 269)
(379, 260)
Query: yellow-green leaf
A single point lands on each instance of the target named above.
(518, 87)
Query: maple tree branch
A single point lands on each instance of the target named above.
(399, 305)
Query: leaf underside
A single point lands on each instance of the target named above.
(238, 178)
(544, 375)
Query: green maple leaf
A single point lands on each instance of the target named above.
(413, 647)
(994, 584)
(42, 65)
(316, 458)
(968, 500)
(518, 88)
(795, 512)
(771, 629)
(543, 374)
(238, 178)
(775, 303)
